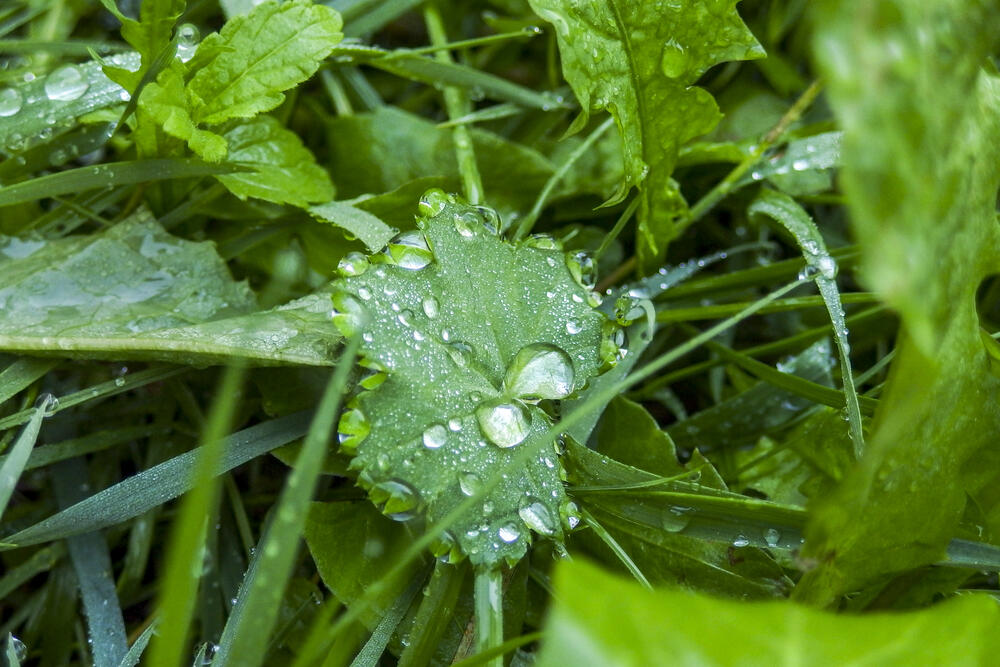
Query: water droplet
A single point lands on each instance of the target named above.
(509, 532)
(432, 202)
(808, 272)
(410, 250)
(397, 499)
(353, 264)
(543, 242)
(540, 371)
(459, 352)
(570, 514)
(405, 318)
(352, 429)
(435, 436)
(490, 219)
(574, 326)
(187, 41)
(349, 316)
(47, 403)
(772, 537)
(741, 541)
(800, 165)
(66, 83)
(674, 60)
(10, 102)
(470, 483)
(537, 516)
(581, 266)
(827, 266)
(20, 650)
(431, 307)
(505, 424)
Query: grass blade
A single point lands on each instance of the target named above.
(155, 486)
(135, 652)
(14, 462)
(244, 639)
(179, 584)
(22, 373)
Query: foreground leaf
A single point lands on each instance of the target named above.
(166, 298)
(639, 60)
(465, 333)
(602, 620)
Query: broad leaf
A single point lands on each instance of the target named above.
(641, 65)
(285, 171)
(256, 57)
(136, 292)
(369, 229)
(921, 173)
(603, 620)
(465, 333)
(149, 35)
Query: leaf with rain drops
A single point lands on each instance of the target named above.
(136, 292)
(641, 66)
(600, 619)
(466, 338)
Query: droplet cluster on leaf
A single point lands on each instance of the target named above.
(466, 338)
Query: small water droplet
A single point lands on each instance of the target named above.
(470, 483)
(455, 424)
(10, 101)
(435, 436)
(431, 307)
(65, 84)
(432, 202)
(504, 423)
(581, 267)
(540, 371)
(772, 537)
(47, 403)
(827, 266)
(187, 41)
(459, 352)
(349, 316)
(574, 326)
(509, 532)
(396, 498)
(741, 541)
(410, 250)
(352, 429)
(537, 516)
(800, 165)
(674, 60)
(353, 264)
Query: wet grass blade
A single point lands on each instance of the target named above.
(14, 462)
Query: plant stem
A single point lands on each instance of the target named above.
(528, 221)
(457, 105)
(617, 229)
(489, 612)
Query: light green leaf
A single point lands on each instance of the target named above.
(641, 65)
(359, 223)
(165, 103)
(149, 35)
(921, 172)
(600, 619)
(465, 333)
(254, 58)
(285, 171)
(136, 292)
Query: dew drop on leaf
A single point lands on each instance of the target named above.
(504, 423)
(349, 316)
(409, 250)
(66, 83)
(47, 403)
(460, 353)
(431, 307)
(467, 223)
(455, 424)
(432, 202)
(435, 436)
(674, 61)
(352, 429)
(574, 326)
(536, 515)
(509, 532)
(540, 371)
(470, 483)
(772, 537)
(397, 499)
(353, 264)
(581, 266)
(10, 102)
(187, 41)
(741, 541)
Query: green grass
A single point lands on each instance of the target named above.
(428, 332)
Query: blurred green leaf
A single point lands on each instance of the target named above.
(599, 619)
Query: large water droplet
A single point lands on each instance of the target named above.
(509, 532)
(47, 403)
(459, 352)
(397, 499)
(674, 60)
(349, 316)
(504, 423)
(65, 84)
(827, 266)
(187, 41)
(353, 264)
(435, 436)
(432, 202)
(10, 101)
(410, 250)
(581, 266)
(537, 516)
(490, 219)
(772, 537)
(467, 223)
(574, 326)
(470, 483)
(352, 429)
(540, 370)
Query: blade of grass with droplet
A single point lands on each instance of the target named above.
(155, 486)
(111, 174)
(135, 651)
(92, 563)
(785, 210)
(185, 550)
(244, 639)
(14, 462)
